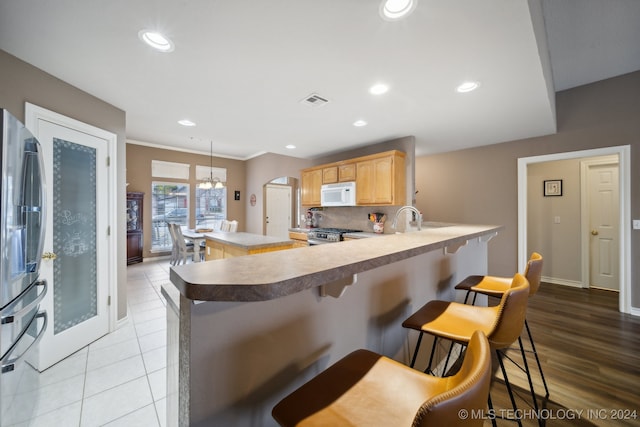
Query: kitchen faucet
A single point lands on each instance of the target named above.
(410, 208)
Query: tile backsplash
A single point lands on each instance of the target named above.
(356, 217)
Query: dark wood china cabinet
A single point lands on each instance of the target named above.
(134, 227)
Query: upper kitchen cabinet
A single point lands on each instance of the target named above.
(381, 179)
(310, 187)
(339, 173)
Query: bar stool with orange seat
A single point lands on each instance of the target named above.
(367, 389)
(457, 322)
(494, 286)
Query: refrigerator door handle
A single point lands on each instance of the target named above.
(10, 364)
(7, 315)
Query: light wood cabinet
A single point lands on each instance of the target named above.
(330, 175)
(339, 173)
(347, 172)
(218, 250)
(380, 179)
(299, 239)
(310, 187)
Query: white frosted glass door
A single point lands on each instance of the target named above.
(76, 243)
(74, 234)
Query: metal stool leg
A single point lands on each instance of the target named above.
(415, 352)
(535, 353)
(492, 412)
(466, 297)
(526, 368)
(506, 381)
(433, 352)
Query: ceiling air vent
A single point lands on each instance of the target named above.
(314, 100)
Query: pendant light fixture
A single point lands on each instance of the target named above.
(211, 182)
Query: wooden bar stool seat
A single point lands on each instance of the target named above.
(367, 389)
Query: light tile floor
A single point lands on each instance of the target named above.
(120, 379)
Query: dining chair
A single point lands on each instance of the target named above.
(183, 248)
(174, 249)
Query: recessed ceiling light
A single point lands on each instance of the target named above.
(359, 123)
(186, 122)
(290, 146)
(392, 10)
(378, 89)
(467, 87)
(156, 40)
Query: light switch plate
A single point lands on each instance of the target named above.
(636, 224)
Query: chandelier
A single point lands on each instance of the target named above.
(210, 182)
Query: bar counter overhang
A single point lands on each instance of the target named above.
(244, 332)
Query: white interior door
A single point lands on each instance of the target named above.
(278, 210)
(604, 226)
(77, 236)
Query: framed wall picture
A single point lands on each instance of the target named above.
(553, 187)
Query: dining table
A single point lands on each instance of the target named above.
(197, 237)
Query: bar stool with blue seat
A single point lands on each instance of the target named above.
(367, 389)
(457, 322)
(494, 286)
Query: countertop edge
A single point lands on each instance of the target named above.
(195, 281)
(218, 237)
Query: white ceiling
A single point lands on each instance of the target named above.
(240, 68)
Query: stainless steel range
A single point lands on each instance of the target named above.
(320, 236)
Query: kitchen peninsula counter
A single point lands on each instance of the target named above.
(276, 274)
(244, 332)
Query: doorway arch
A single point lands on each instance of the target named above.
(291, 211)
(624, 156)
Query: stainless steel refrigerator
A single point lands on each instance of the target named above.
(22, 210)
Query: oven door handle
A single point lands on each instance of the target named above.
(10, 364)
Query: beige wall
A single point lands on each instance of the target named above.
(139, 177)
(261, 170)
(480, 185)
(559, 242)
(22, 83)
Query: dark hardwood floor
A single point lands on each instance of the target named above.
(590, 356)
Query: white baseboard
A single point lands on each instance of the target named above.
(156, 258)
(564, 282)
(121, 322)
(635, 311)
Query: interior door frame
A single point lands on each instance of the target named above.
(33, 113)
(585, 215)
(290, 208)
(624, 157)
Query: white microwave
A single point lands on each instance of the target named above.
(339, 194)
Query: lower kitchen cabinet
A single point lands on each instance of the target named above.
(218, 250)
(299, 239)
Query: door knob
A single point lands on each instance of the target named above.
(49, 255)
(594, 232)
